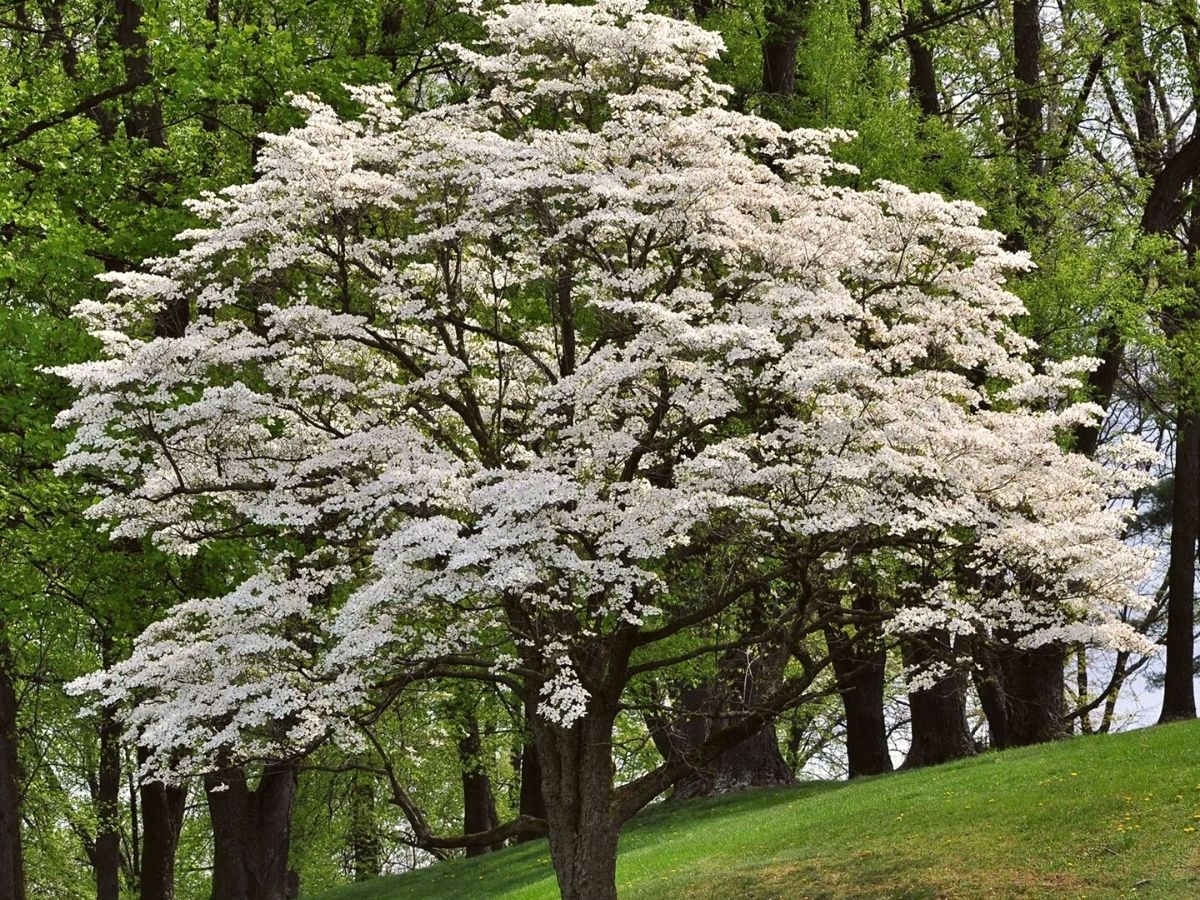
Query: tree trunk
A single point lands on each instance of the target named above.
(754, 762)
(12, 870)
(1179, 696)
(106, 859)
(251, 833)
(577, 785)
(479, 806)
(785, 25)
(859, 669)
(922, 76)
(144, 120)
(1022, 692)
(779, 65)
(938, 716)
(989, 684)
(1082, 689)
(1034, 685)
(162, 820)
(531, 802)
(1027, 69)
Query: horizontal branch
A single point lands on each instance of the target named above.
(83, 106)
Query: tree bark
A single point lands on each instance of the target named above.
(479, 806)
(144, 120)
(704, 710)
(251, 833)
(12, 869)
(1027, 69)
(779, 65)
(1179, 696)
(859, 670)
(785, 25)
(755, 762)
(106, 858)
(1022, 692)
(1036, 700)
(922, 76)
(938, 715)
(577, 784)
(530, 803)
(162, 821)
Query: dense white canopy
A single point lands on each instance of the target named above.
(476, 383)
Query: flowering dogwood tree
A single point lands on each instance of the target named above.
(533, 386)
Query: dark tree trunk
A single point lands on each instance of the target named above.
(755, 762)
(785, 28)
(863, 26)
(938, 715)
(1082, 690)
(922, 75)
(577, 785)
(12, 870)
(1036, 701)
(531, 802)
(1022, 692)
(479, 806)
(251, 833)
(1027, 67)
(779, 65)
(106, 857)
(989, 684)
(859, 669)
(162, 820)
(1179, 696)
(144, 120)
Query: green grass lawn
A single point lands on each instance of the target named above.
(1115, 816)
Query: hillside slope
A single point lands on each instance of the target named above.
(1111, 816)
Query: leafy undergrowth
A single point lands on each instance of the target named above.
(1115, 816)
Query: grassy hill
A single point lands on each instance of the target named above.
(1114, 816)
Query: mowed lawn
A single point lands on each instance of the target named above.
(1112, 816)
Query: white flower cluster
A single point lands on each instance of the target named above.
(499, 364)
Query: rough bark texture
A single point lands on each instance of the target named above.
(704, 710)
(106, 856)
(785, 24)
(531, 802)
(12, 877)
(251, 832)
(479, 806)
(144, 120)
(779, 65)
(755, 762)
(938, 716)
(1027, 53)
(1179, 696)
(162, 808)
(1035, 696)
(922, 76)
(859, 665)
(577, 775)
(1022, 692)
